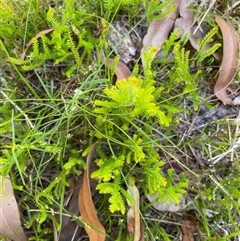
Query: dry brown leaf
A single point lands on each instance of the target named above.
(93, 227)
(186, 19)
(121, 71)
(23, 54)
(159, 30)
(185, 22)
(10, 219)
(229, 65)
(134, 224)
(186, 230)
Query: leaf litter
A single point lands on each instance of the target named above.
(229, 65)
(158, 32)
(93, 227)
(10, 218)
(134, 222)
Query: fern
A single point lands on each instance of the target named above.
(126, 98)
(116, 120)
(54, 190)
(7, 15)
(204, 49)
(116, 199)
(108, 168)
(61, 27)
(169, 44)
(61, 44)
(136, 152)
(174, 190)
(181, 73)
(114, 5)
(156, 10)
(148, 57)
(153, 175)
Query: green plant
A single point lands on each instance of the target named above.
(49, 120)
(68, 40)
(156, 10)
(131, 148)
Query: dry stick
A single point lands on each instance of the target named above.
(205, 14)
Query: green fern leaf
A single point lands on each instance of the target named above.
(116, 199)
(108, 168)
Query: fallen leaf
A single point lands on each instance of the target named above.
(186, 230)
(229, 65)
(185, 23)
(134, 224)
(121, 70)
(186, 19)
(159, 30)
(93, 227)
(23, 54)
(10, 219)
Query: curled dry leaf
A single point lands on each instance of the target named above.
(185, 23)
(134, 224)
(93, 227)
(121, 70)
(186, 19)
(229, 65)
(23, 54)
(159, 30)
(10, 219)
(186, 230)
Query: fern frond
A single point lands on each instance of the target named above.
(153, 176)
(126, 98)
(204, 50)
(108, 168)
(73, 48)
(182, 73)
(117, 203)
(115, 190)
(35, 47)
(51, 19)
(61, 58)
(148, 56)
(32, 66)
(170, 43)
(158, 10)
(70, 8)
(136, 150)
(208, 38)
(16, 61)
(45, 43)
(174, 190)
(207, 53)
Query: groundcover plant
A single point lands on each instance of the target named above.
(119, 120)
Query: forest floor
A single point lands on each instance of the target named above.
(115, 91)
